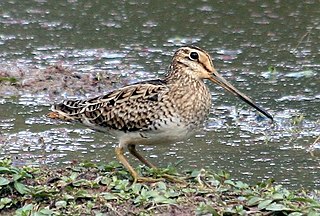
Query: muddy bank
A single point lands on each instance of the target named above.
(55, 81)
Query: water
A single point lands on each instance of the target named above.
(135, 41)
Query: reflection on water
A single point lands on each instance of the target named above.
(135, 41)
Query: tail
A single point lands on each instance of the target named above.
(57, 115)
(67, 110)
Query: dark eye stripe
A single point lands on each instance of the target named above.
(204, 66)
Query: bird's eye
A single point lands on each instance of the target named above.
(194, 56)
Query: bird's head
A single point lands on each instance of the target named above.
(197, 63)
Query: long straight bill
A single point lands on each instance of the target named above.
(216, 78)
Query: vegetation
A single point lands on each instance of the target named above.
(11, 80)
(91, 189)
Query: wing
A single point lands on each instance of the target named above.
(131, 108)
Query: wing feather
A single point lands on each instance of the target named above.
(130, 108)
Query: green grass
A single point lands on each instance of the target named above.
(99, 189)
(11, 80)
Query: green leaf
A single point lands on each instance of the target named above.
(21, 188)
(277, 196)
(241, 185)
(5, 170)
(105, 180)
(80, 182)
(264, 204)
(205, 209)
(16, 177)
(73, 176)
(136, 188)
(161, 186)
(254, 201)
(313, 213)
(161, 199)
(83, 194)
(230, 182)
(195, 173)
(189, 190)
(109, 196)
(295, 214)
(46, 211)
(68, 197)
(172, 193)
(152, 193)
(4, 201)
(25, 210)
(304, 199)
(61, 204)
(4, 181)
(276, 207)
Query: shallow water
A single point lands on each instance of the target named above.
(135, 42)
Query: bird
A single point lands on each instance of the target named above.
(153, 112)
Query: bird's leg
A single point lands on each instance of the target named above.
(136, 178)
(132, 149)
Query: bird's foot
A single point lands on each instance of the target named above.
(174, 179)
(140, 179)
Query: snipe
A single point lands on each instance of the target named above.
(153, 112)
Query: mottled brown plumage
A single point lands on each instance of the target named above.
(153, 112)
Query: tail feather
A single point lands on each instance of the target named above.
(57, 115)
(53, 115)
(67, 110)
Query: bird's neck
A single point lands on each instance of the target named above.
(179, 74)
(190, 95)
